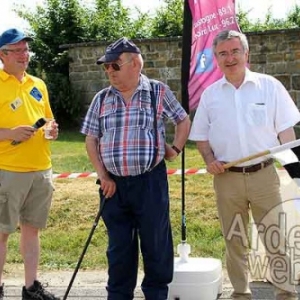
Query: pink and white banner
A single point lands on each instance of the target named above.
(209, 17)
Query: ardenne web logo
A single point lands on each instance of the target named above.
(279, 232)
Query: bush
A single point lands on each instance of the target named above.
(67, 108)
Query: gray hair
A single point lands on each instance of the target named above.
(139, 58)
(228, 35)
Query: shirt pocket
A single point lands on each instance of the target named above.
(145, 115)
(257, 114)
(107, 118)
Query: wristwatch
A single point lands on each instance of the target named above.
(176, 149)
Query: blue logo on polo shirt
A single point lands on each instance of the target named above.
(36, 94)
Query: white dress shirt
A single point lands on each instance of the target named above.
(244, 121)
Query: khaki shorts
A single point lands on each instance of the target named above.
(25, 198)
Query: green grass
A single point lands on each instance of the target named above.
(69, 154)
(76, 201)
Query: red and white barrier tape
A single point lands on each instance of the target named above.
(94, 174)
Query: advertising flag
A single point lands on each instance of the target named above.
(203, 20)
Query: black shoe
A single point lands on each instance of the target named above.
(2, 291)
(37, 292)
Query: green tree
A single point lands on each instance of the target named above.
(169, 19)
(108, 23)
(268, 23)
(294, 16)
(243, 19)
(109, 20)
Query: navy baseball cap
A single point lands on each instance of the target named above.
(12, 36)
(114, 50)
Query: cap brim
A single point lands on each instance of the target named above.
(16, 40)
(108, 58)
(28, 39)
(101, 60)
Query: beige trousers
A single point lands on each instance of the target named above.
(259, 191)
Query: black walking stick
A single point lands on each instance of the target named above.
(85, 246)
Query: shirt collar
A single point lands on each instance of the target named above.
(144, 83)
(249, 77)
(5, 76)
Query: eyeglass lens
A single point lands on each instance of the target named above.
(17, 51)
(115, 66)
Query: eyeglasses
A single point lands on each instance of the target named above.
(235, 53)
(115, 66)
(17, 51)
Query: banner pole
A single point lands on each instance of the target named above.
(276, 149)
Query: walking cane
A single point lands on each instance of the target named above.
(86, 246)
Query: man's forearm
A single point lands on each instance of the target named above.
(206, 152)
(92, 151)
(5, 134)
(182, 131)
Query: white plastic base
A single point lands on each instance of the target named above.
(196, 279)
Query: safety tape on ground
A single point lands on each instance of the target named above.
(94, 174)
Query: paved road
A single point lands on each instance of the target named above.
(91, 285)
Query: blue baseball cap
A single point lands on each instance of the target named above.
(114, 50)
(12, 36)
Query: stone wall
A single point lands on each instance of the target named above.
(273, 52)
(162, 61)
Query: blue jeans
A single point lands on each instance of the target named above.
(139, 212)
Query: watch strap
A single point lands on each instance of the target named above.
(176, 149)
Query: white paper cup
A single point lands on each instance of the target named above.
(48, 128)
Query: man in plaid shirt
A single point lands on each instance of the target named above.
(126, 143)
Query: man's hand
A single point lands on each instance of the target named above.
(22, 133)
(215, 167)
(170, 153)
(107, 185)
(54, 131)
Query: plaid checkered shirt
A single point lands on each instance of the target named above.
(125, 131)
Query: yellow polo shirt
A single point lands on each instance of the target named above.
(23, 103)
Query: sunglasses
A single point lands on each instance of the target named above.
(115, 66)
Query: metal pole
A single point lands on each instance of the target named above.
(85, 249)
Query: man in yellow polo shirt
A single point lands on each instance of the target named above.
(25, 162)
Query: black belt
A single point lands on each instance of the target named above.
(252, 168)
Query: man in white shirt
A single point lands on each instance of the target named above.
(239, 115)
